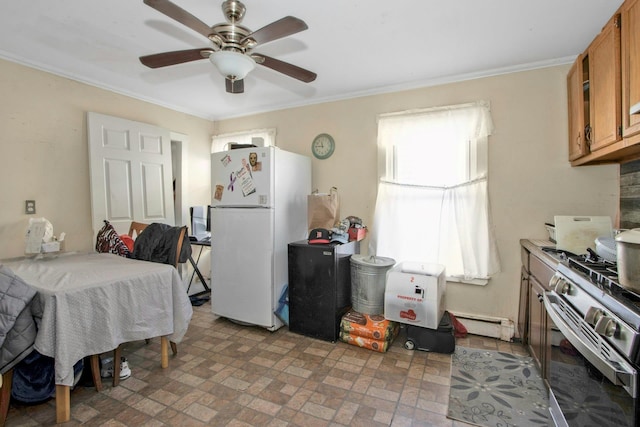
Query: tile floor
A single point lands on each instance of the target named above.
(231, 375)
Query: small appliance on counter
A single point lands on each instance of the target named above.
(40, 239)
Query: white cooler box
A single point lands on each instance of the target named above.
(414, 294)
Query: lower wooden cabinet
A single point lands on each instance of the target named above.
(523, 314)
(534, 325)
(537, 322)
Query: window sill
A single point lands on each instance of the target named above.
(477, 282)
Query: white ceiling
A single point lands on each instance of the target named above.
(357, 47)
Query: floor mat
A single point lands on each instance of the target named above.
(492, 388)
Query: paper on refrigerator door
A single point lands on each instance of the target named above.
(242, 178)
(246, 180)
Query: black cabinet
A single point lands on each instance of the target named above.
(319, 287)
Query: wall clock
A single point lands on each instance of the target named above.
(322, 146)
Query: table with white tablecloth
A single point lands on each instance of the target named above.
(96, 301)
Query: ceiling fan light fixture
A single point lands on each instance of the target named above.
(233, 65)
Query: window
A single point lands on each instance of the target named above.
(257, 137)
(432, 203)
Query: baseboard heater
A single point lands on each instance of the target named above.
(486, 326)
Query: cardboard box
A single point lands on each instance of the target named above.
(414, 294)
(357, 233)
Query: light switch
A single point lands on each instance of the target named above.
(30, 207)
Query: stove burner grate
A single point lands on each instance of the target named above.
(603, 274)
(599, 271)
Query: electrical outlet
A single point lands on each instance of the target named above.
(30, 207)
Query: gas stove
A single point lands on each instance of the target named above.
(590, 284)
(599, 278)
(597, 326)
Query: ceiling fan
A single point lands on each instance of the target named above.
(232, 44)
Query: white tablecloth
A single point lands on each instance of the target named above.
(94, 302)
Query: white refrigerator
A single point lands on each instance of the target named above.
(258, 207)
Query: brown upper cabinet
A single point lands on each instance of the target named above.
(577, 93)
(630, 67)
(602, 84)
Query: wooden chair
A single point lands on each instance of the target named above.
(134, 231)
(6, 380)
(136, 227)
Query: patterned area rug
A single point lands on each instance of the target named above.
(495, 389)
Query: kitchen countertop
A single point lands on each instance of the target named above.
(535, 247)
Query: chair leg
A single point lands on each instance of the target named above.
(95, 371)
(116, 366)
(5, 395)
(174, 347)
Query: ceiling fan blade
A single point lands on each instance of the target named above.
(278, 29)
(176, 57)
(180, 15)
(285, 68)
(234, 86)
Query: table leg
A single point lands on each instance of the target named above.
(164, 352)
(63, 403)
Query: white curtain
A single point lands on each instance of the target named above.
(448, 223)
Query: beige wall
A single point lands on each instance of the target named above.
(44, 157)
(530, 179)
(44, 154)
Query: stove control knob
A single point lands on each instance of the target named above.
(593, 315)
(561, 286)
(607, 327)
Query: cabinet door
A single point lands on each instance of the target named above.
(575, 95)
(537, 316)
(630, 35)
(523, 311)
(605, 86)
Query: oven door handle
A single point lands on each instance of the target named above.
(625, 378)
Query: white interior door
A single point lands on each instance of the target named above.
(131, 174)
